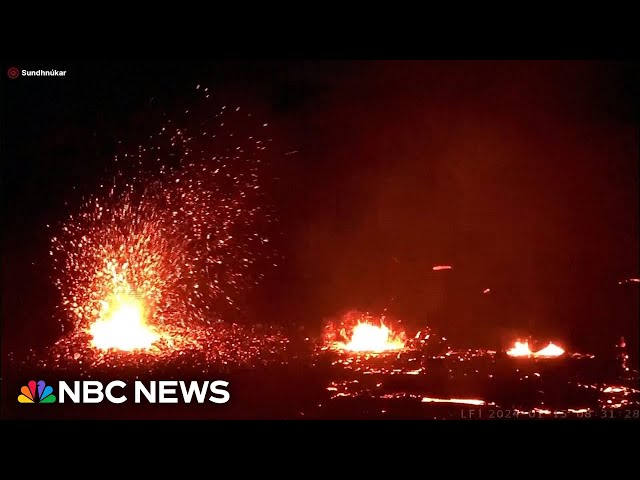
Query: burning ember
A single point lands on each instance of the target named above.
(122, 326)
(367, 334)
(521, 349)
(437, 268)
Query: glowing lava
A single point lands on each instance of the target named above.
(461, 401)
(521, 349)
(550, 350)
(122, 325)
(372, 338)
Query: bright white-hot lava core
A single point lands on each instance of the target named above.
(521, 349)
(122, 325)
(372, 338)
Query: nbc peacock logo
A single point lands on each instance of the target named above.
(38, 392)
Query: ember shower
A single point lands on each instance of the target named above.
(154, 259)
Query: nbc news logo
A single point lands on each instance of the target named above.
(38, 392)
(93, 391)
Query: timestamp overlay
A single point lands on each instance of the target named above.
(539, 413)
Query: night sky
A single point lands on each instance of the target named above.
(521, 175)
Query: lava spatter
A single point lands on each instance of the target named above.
(148, 264)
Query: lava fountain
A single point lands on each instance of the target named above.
(521, 349)
(362, 332)
(169, 243)
(550, 350)
(373, 338)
